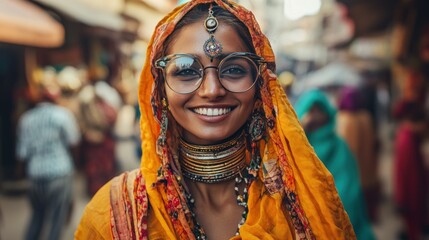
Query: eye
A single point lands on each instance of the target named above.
(184, 69)
(186, 72)
(233, 71)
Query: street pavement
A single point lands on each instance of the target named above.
(15, 209)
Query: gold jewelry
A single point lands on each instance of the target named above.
(162, 138)
(213, 163)
(212, 47)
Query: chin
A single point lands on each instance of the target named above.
(210, 137)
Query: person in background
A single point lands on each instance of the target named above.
(137, 133)
(126, 125)
(70, 81)
(46, 138)
(410, 175)
(317, 116)
(224, 156)
(125, 136)
(355, 126)
(99, 106)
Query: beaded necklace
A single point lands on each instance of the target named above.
(241, 201)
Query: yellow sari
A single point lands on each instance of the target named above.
(293, 197)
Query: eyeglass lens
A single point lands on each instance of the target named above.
(184, 74)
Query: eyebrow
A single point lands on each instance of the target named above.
(200, 57)
(223, 55)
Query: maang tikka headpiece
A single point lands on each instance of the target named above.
(212, 47)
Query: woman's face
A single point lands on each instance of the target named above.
(314, 119)
(211, 113)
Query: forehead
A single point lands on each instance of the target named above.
(191, 38)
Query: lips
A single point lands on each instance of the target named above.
(212, 112)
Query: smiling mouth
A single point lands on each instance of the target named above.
(212, 112)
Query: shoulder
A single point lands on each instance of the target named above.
(63, 116)
(62, 111)
(95, 221)
(25, 117)
(346, 115)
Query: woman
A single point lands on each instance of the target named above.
(224, 157)
(98, 115)
(409, 171)
(48, 137)
(355, 126)
(318, 119)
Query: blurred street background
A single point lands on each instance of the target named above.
(94, 51)
(16, 208)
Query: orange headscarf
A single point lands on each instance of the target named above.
(306, 207)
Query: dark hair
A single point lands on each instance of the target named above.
(200, 12)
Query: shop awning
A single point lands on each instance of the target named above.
(86, 13)
(24, 23)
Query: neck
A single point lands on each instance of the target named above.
(213, 163)
(216, 193)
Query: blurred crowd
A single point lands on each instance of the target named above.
(77, 121)
(108, 121)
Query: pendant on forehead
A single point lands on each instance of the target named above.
(212, 47)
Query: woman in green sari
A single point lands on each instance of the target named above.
(317, 116)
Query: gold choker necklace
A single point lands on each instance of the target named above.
(213, 163)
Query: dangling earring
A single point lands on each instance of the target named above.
(256, 130)
(162, 139)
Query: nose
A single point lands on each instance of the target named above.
(211, 86)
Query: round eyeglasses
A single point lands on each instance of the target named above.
(184, 73)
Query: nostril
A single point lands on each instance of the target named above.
(211, 85)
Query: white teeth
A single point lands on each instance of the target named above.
(212, 111)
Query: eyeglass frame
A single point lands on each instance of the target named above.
(162, 62)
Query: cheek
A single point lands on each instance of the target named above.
(250, 106)
(170, 95)
(176, 103)
(249, 101)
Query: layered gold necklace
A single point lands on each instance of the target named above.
(213, 163)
